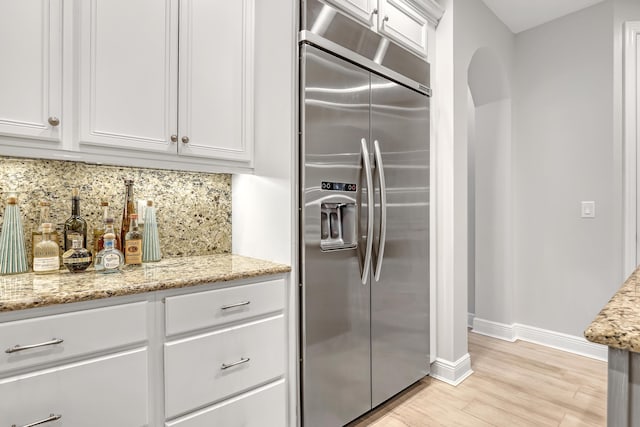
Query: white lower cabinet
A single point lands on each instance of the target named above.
(206, 368)
(103, 392)
(263, 407)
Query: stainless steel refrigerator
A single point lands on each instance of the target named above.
(364, 219)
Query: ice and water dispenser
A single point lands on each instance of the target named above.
(338, 219)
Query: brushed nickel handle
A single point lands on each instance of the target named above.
(374, 11)
(231, 365)
(366, 265)
(185, 139)
(238, 304)
(54, 121)
(386, 18)
(51, 417)
(174, 138)
(383, 210)
(18, 347)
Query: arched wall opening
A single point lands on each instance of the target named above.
(490, 290)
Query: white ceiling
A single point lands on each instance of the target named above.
(520, 15)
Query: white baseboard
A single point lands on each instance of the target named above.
(470, 317)
(452, 372)
(494, 329)
(558, 340)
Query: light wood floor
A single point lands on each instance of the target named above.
(513, 384)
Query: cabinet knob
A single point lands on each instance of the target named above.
(385, 19)
(174, 138)
(374, 11)
(54, 121)
(185, 139)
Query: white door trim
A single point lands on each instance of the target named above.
(630, 138)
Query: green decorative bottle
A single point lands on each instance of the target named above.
(13, 257)
(150, 239)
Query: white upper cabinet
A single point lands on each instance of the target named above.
(363, 10)
(216, 79)
(128, 73)
(153, 84)
(404, 24)
(31, 71)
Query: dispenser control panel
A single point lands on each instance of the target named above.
(338, 186)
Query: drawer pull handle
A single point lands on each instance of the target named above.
(52, 417)
(238, 304)
(231, 365)
(27, 347)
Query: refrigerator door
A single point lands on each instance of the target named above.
(400, 297)
(335, 315)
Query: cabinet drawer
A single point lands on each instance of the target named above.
(205, 309)
(82, 332)
(103, 392)
(195, 373)
(265, 406)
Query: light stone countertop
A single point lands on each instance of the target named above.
(618, 324)
(22, 291)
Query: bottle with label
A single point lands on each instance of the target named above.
(128, 209)
(133, 243)
(77, 259)
(46, 259)
(109, 228)
(36, 235)
(76, 225)
(13, 257)
(98, 230)
(150, 239)
(109, 259)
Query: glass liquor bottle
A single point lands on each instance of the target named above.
(75, 225)
(133, 243)
(150, 240)
(109, 259)
(128, 209)
(46, 259)
(13, 257)
(36, 235)
(98, 230)
(109, 228)
(77, 259)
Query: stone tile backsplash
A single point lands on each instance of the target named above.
(193, 209)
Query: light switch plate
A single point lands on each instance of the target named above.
(588, 209)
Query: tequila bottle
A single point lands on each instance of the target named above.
(109, 259)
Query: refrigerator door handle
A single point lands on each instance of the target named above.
(369, 244)
(383, 209)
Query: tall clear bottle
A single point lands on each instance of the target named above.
(128, 209)
(150, 239)
(13, 257)
(36, 235)
(75, 225)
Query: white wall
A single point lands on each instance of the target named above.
(566, 268)
(493, 250)
(471, 208)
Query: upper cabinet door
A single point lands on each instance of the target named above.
(128, 73)
(402, 23)
(362, 10)
(31, 71)
(216, 79)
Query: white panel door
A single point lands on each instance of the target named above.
(361, 10)
(31, 73)
(128, 73)
(216, 79)
(105, 392)
(403, 24)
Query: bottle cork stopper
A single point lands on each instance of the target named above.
(109, 236)
(47, 227)
(104, 203)
(75, 192)
(109, 221)
(12, 200)
(133, 216)
(149, 202)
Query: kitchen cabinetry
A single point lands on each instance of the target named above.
(236, 343)
(89, 368)
(403, 21)
(167, 77)
(31, 74)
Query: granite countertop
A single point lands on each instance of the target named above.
(22, 291)
(618, 324)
